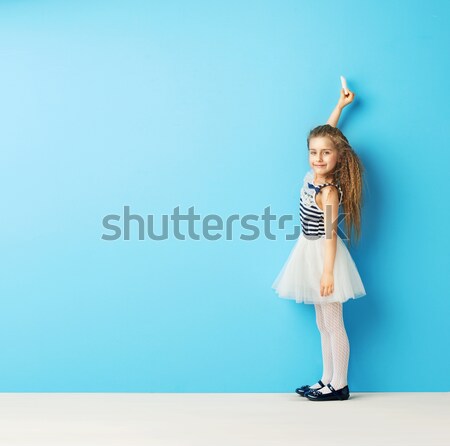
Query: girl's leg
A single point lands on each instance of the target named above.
(340, 347)
(326, 348)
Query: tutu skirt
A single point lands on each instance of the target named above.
(300, 276)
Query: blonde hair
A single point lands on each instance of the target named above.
(348, 173)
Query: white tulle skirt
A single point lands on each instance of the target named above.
(300, 276)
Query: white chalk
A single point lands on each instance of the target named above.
(344, 85)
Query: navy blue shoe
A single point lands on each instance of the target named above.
(340, 394)
(304, 389)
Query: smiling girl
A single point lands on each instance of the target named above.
(320, 269)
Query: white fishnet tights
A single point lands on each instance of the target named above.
(335, 345)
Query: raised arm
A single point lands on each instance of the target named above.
(342, 102)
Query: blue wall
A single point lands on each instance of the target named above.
(157, 105)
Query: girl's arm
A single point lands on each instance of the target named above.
(342, 102)
(330, 201)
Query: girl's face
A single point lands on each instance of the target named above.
(323, 156)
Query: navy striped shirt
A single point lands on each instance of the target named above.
(311, 216)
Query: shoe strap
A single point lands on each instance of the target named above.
(321, 383)
(333, 390)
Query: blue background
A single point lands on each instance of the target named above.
(155, 105)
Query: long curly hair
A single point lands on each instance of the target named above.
(348, 173)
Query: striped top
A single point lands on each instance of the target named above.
(311, 216)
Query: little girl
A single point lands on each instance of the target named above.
(320, 269)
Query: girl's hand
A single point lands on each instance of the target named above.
(345, 100)
(326, 284)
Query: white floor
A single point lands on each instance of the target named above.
(216, 419)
